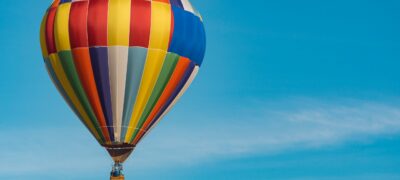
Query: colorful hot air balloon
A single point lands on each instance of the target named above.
(122, 64)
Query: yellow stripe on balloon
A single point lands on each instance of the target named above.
(62, 77)
(119, 13)
(152, 69)
(61, 27)
(43, 43)
(160, 25)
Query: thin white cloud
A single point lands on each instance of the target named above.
(261, 128)
(270, 128)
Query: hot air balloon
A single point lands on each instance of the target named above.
(121, 65)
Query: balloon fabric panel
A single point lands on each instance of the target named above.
(160, 26)
(98, 23)
(61, 29)
(99, 59)
(140, 23)
(187, 40)
(43, 44)
(119, 22)
(136, 63)
(78, 26)
(118, 61)
(49, 32)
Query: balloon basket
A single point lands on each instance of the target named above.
(117, 178)
(116, 172)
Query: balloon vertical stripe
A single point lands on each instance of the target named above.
(61, 29)
(98, 23)
(43, 44)
(160, 19)
(136, 63)
(118, 40)
(49, 33)
(99, 59)
(140, 23)
(119, 22)
(118, 61)
(78, 30)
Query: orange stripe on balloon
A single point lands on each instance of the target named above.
(164, 1)
(176, 77)
(55, 3)
(84, 67)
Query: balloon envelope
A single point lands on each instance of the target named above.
(122, 64)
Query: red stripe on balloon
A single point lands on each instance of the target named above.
(49, 32)
(97, 22)
(78, 24)
(140, 23)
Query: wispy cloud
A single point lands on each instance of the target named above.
(271, 128)
(261, 128)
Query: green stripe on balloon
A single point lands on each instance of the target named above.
(168, 68)
(68, 65)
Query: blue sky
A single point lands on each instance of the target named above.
(289, 90)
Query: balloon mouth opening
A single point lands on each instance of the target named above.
(119, 152)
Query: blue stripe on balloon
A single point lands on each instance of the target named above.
(177, 3)
(65, 1)
(99, 58)
(188, 39)
(136, 61)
